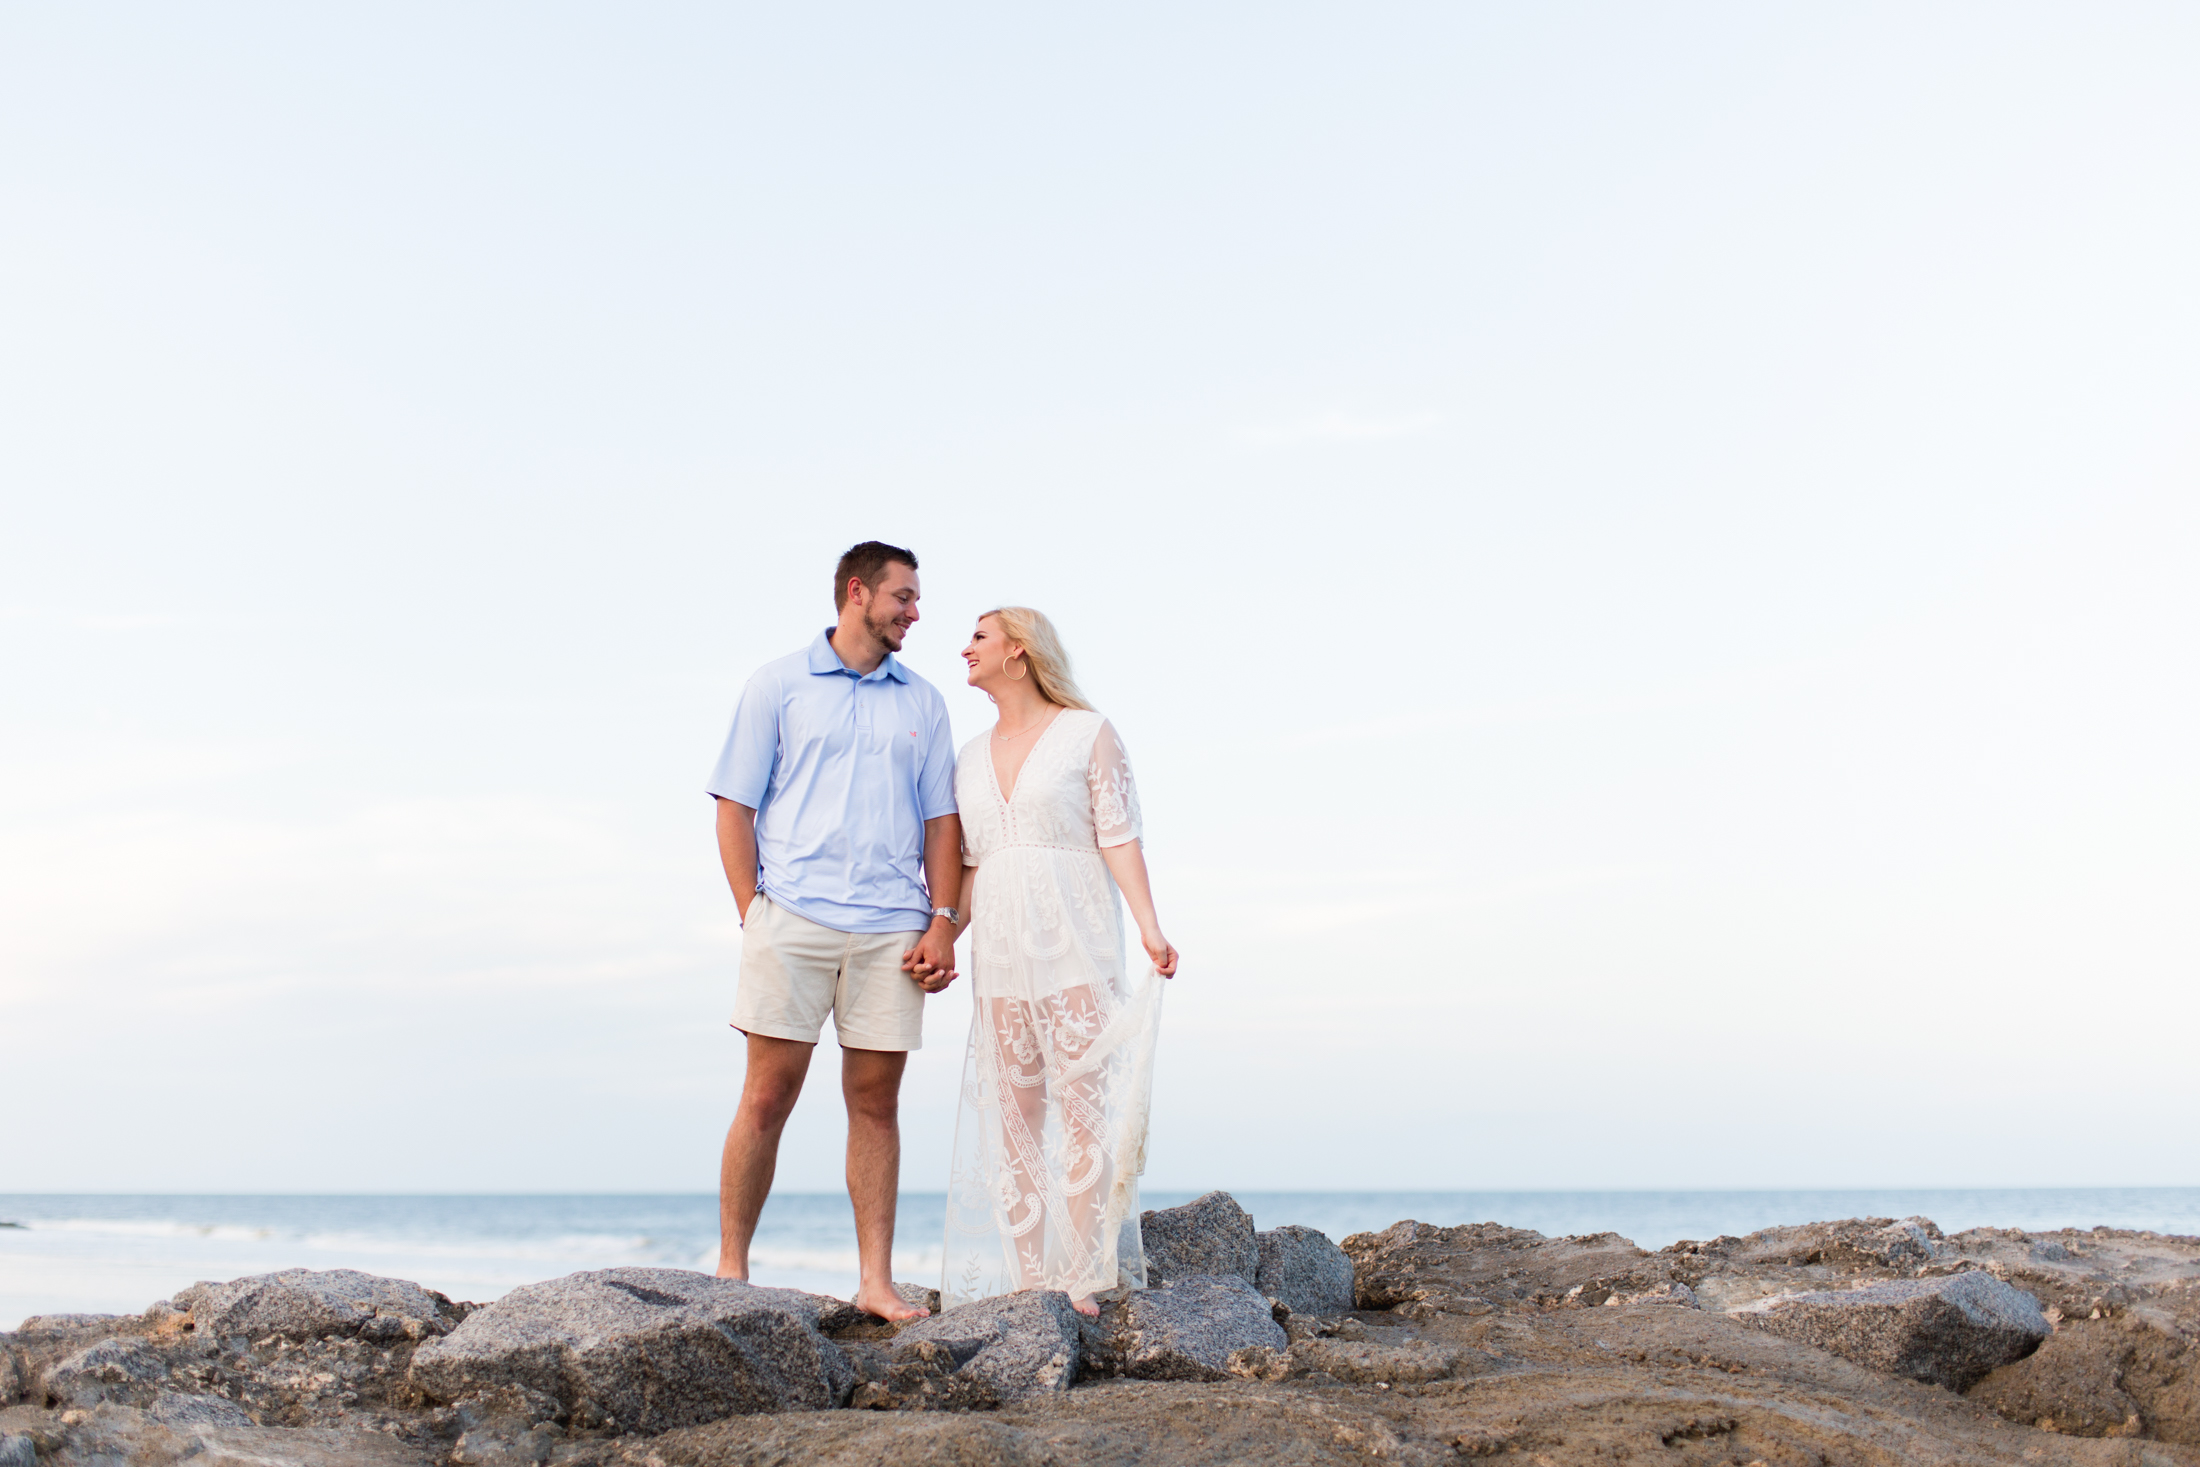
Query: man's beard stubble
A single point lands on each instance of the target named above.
(887, 632)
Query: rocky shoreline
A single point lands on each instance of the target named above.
(1869, 1340)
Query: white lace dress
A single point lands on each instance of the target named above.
(1058, 1077)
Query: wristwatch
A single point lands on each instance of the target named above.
(954, 918)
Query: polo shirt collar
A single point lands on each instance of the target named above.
(824, 661)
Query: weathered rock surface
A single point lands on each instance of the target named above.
(124, 1436)
(648, 1349)
(171, 1409)
(924, 1296)
(1187, 1331)
(1728, 1272)
(1548, 1366)
(47, 1324)
(1951, 1331)
(1571, 1387)
(981, 1355)
(1208, 1235)
(112, 1369)
(1362, 1362)
(837, 1315)
(1418, 1268)
(1304, 1271)
(310, 1304)
(157, 1370)
(2125, 1356)
(2113, 1296)
(2074, 1383)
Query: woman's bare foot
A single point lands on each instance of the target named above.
(1084, 1304)
(881, 1300)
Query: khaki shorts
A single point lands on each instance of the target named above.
(794, 973)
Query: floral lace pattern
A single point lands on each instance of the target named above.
(1058, 1074)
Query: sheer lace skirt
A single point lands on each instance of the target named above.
(1057, 1084)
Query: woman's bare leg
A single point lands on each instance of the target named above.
(1084, 1119)
(1087, 1204)
(1023, 1127)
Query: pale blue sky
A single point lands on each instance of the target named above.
(1645, 556)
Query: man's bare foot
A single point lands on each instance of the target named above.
(729, 1271)
(1084, 1305)
(881, 1300)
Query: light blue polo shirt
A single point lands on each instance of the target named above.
(842, 772)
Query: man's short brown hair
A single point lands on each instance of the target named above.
(867, 563)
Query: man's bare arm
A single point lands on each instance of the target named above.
(737, 849)
(943, 873)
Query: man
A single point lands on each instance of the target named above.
(836, 820)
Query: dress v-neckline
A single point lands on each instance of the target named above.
(1008, 799)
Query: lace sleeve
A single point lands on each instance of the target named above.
(1115, 819)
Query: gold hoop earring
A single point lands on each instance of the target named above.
(1015, 677)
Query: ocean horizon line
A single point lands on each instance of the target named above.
(121, 1251)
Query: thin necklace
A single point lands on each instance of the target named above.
(1011, 738)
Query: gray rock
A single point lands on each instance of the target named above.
(309, 1304)
(920, 1376)
(1675, 1293)
(1950, 1331)
(924, 1296)
(1187, 1331)
(1414, 1363)
(1422, 1271)
(837, 1315)
(1258, 1362)
(506, 1411)
(2088, 1379)
(486, 1448)
(18, 1451)
(1209, 1235)
(113, 1436)
(1303, 1270)
(647, 1349)
(50, 1324)
(1904, 1244)
(2051, 1253)
(1845, 1246)
(117, 1369)
(1016, 1346)
(171, 1409)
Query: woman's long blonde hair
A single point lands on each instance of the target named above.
(1043, 652)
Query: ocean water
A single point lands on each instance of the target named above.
(117, 1254)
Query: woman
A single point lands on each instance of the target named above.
(1052, 1134)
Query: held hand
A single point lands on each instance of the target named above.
(926, 977)
(920, 972)
(1163, 955)
(932, 961)
(923, 974)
